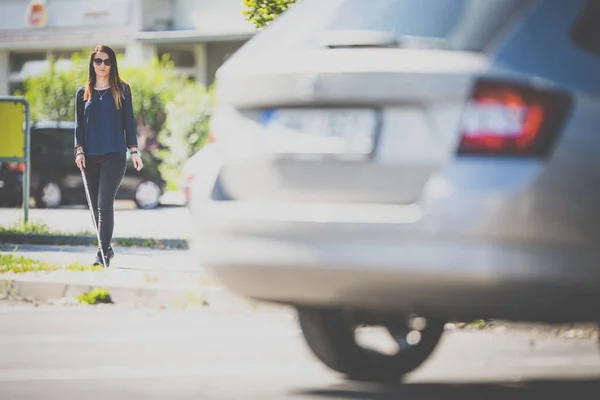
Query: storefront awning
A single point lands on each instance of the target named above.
(70, 38)
(188, 36)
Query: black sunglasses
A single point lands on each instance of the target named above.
(99, 61)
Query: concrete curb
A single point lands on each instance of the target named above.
(79, 240)
(150, 295)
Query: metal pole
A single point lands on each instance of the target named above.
(27, 174)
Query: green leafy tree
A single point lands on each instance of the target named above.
(52, 95)
(262, 12)
(153, 84)
(171, 112)
(187, 125)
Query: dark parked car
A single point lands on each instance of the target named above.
(11, 176)
(55, 180)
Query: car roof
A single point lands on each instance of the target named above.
(53, 125)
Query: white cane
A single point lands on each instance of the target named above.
(89, 201)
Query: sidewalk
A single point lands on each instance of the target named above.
(169, 221)
(139, 277)
(127, 258)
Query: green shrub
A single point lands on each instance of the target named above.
(95, 296)
(262, 12)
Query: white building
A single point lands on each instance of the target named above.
(198, 34)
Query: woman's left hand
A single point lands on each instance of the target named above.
(137, 162)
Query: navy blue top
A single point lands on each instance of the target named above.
(101, 128)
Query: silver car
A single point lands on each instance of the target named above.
(404, 163)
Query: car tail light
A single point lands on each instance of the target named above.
(16, 166)
(186, 194)
(512, 119)
(189, 177)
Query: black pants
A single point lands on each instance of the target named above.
(104, 175)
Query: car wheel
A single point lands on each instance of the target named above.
(147, 195)
(49, 195)
(331, 337)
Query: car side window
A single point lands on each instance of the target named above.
(41, 143)
(586, 30)
(64, 142)
(52, 145)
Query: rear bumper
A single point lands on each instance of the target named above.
(386, 265)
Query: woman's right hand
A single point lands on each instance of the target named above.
(80, 161)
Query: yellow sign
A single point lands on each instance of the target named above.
(12, 130)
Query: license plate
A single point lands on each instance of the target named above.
(343, 133)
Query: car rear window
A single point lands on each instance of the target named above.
(468, 25)
(586, 31)
(47, 142)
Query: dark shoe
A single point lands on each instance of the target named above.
(109, 255)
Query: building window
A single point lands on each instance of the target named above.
(181, 57)
(17, 60)
(586, 31)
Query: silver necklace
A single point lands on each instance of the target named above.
(102, 95)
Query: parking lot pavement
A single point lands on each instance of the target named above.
(165, 222)
(110, 352)
(137, 258)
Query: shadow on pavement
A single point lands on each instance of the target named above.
(46, 248)
(129, 251)
(528, 390)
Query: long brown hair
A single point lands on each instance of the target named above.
(117, 86)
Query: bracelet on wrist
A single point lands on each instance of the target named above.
(133, 152)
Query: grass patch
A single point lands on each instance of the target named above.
(31, 227)
(37, 228)
(125, 242)
(11, 263)
(478, 324)
(81, 233)
(150, 243)
(191, 299)
(132, 242)
(35, 232)
(95, 296)
(20, 264)
(83, 267)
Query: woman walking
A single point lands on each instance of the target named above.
(104, 131)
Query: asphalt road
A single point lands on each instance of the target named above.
(117, 353)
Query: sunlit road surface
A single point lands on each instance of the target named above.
(129, 258)
(170, 222)
(108, 352)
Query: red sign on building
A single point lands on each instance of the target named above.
(36, 13)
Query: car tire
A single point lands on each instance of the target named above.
(147, 195)
(331, 337)
(49, 195)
